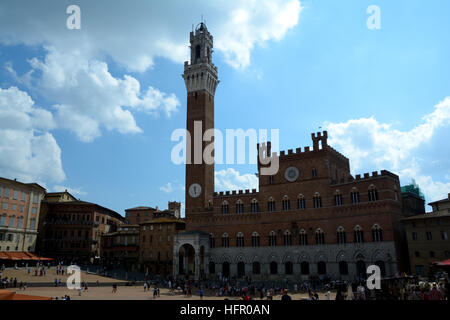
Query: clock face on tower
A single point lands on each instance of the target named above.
(195, 190)
(291, 174)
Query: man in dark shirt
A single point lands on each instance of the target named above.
(285, 296)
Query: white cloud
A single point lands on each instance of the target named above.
(372, 145)
(230, 179)
(90, 98)
(28, 152)
(74, 76)
(168, 188)
(253, 23)
(73, 191)
(135, 33)
(172, 187)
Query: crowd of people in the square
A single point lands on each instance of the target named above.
(397, 288)
(402, 288)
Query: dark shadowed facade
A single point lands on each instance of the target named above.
(71, 230)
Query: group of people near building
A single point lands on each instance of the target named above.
(408, 288)
(6, 283)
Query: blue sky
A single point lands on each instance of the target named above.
(92, 110)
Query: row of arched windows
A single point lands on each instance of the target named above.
(289, 268)
(286, 239)
(301, 201)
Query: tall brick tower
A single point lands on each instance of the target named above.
(201, 79)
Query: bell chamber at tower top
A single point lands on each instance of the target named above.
(200, 73)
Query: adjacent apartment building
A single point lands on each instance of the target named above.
(71, 230)
(156, 244)
(120, 249)
(428, 237)
(19, 215)
(142, 214)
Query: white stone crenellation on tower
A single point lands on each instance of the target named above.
(200, 73)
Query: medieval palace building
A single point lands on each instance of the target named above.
(311, 219)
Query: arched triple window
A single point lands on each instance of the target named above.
(240, 240)
(338, 198)
(254, 207)
(377, 233)
(359, 235)
(225, 207)
(272, 239)
(225, 240)
(212, 241)
(373, 193)
(341, 236)
(255, 239)
(303, 238)
(239, 206)
(287, 238)
(271, 205)
(301, 202)
(354, 195)
(286, 203)
(320, 236)
(317, 200)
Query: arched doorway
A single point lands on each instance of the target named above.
(321, 268)
(361, 271)
(343, 268)
(226, 269)
(304, 266)
(202, 261)
(212, 267)
(241, 269)
(288, 268)
(273, 268)
(186, 260)
(256, 268)
(382, 267)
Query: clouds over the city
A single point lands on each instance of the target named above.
(372, 145)
(90, 98)
(170, 187)
(135, 33)
(231, 179)
(28, 151)
(253, 23)
(75, 77)
(72, 71)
